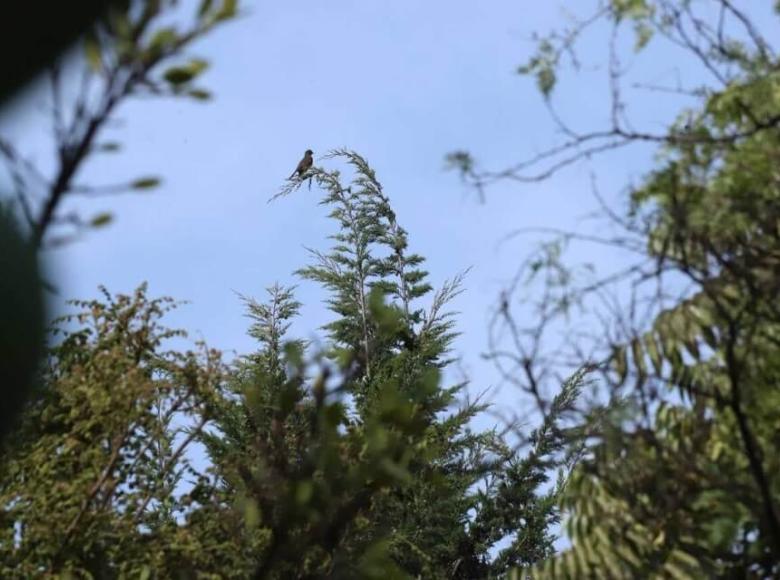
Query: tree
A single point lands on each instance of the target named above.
(349, 460)
(365, 466)
(679, 479)
(87, 481)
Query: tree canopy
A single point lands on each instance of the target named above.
(350, 459)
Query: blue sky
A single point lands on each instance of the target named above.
(400, 82)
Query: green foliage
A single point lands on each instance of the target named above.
(368, 465)
(543, 67)
(353, 461)
(631, 9)
(349, 460)
(688, 487)
(88, 482)
(369, 261)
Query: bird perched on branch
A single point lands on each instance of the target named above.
(304, 165)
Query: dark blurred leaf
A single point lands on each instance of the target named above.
(200, 94)
(92, 53)
(293, 354)
(459, 160)
(178, 75)
(101, 219)
(21, 312)
(389, 319)
(33, 33)
(377, 563)
(205, 6)
(109, 147)
(145, 183)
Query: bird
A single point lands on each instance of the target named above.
(304, 164)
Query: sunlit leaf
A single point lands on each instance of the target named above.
(179, 75)
(145, 183)
(228, 9)
(101, 219)
(163, 38)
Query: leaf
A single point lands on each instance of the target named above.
(198, 65)
(632, 9)
(627, 554)
(92, 53)
(620, 363)
(205, 7)
(394, 470)
(542, 65)
(109, 147)
(709, 337)
(639, 358)
(179, 75)
(644, 34)
(228, 10)
(101, 219)
(692, 346)
(652, 351)
(375, 562)
(145, 183)
(716, 450)
(545, 80)
(461, 161)
(200, 94)
(120, 24)
(251, 514)
(22, 315)
(288, 397)
(163, 38)
(304, 492)
(293, 354)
